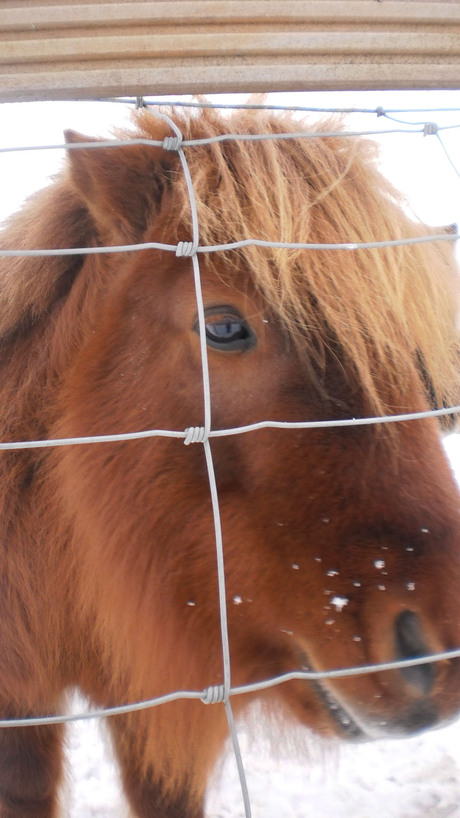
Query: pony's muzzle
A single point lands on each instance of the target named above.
(409, 696)
(410, 644)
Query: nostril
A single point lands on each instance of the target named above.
(410, 644)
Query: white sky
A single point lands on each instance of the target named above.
(416, 164)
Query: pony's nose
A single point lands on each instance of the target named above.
(410, 644)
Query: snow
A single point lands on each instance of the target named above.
(92, 789)
(339, 602)
(419, 778)
(412, 778)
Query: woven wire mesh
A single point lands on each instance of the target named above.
(203, 436)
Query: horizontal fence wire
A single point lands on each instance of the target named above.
(147, 102)
(203, 435)
(198, 434)
(234, 245)
(425, 128)
(216, 694)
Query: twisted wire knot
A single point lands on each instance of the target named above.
(380, 111)
(172, 143)
(195, 434)
(185, 248)
(214, 694)
(430, 129)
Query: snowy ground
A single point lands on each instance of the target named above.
(416, 778)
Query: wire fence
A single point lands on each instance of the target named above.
(203, 435)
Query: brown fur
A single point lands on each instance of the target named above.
(107, 563)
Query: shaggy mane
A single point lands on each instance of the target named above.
(389, 308)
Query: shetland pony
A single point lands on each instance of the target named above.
(341, 545)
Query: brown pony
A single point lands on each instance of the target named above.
(341, 545)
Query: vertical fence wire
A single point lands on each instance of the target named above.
(222, 593)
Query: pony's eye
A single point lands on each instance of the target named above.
(226, 330)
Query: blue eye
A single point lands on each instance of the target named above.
(227, 331)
